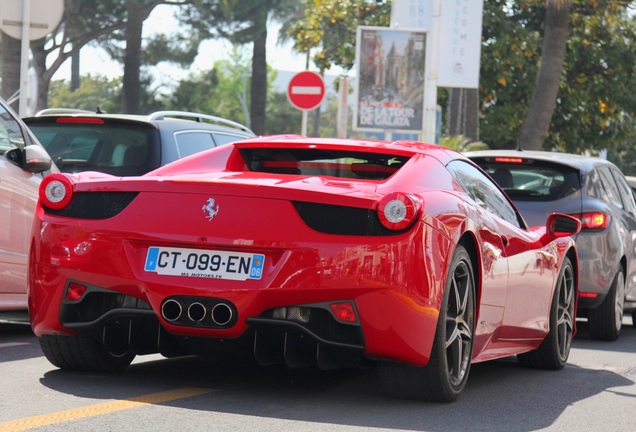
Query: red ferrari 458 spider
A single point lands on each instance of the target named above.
(320, 252)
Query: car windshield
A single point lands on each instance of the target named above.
(313, 162)
(110, 148)
(534, 180)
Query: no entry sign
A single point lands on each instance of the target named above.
(306, 90)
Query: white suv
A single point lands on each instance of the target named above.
(23, 164)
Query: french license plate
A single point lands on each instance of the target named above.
(203, 263)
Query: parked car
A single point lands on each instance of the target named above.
(631, 180)
(595, 191)
(23, 162)
(321, 252)
(128, 145)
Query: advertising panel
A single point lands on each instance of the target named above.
(460, 43)
(390, 84)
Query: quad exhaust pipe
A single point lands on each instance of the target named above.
(171, 310)
(198, 311)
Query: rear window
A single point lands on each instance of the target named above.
(311, 162)
(532, 180)
(111, 148)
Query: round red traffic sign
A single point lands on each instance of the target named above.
(306, 90)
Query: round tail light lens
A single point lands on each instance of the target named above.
(398, 211)
(56, 191)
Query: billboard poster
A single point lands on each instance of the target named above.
(460, 43)
(390, 85)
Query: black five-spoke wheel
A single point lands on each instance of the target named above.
(445, 376)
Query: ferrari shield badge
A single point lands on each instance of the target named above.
(210, 209)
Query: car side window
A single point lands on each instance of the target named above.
(189, 143)
(223, 138)
(611, 193)
(626, 192)
(10, 132)
(483, 191)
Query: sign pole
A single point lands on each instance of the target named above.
(343, 107)
(303, 124)
(432, 72)
(24, 57)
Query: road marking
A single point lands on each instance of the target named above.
(12, 344)
(99, 409)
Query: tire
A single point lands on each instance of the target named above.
(554, 351)
(605, 322)
(445, 376)
(82, 353)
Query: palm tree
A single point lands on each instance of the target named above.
(242, 22)
(555, 38)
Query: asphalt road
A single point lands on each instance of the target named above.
(596, 391)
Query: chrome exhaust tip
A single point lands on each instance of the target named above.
(222, 314)
(197, 312)
(171, 310)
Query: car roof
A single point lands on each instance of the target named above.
(581, 162)
(175, 117)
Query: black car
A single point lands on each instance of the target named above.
(595, 191)
(128, 145)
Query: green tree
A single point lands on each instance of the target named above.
(329, 28)
(82, 22)
(222, 91)
(282, 117)
(555, 38)
(242, 22)
(127, 46)
(111, 23)
(95, 92)
(593, 106)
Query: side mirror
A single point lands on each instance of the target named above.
(36, 159)
(561, 225)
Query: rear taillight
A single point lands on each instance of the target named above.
(398, 211)
(594, 220)
(56, 191)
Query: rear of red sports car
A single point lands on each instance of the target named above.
(314, 255)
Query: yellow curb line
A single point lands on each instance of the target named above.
(99, 409)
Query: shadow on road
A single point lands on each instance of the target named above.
(500, 395)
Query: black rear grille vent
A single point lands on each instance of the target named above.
(95, 205)
(333, 219)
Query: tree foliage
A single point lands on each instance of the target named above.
(224, 91)
(329, 26)
(241, 22)
(546, 87)
(95, 92)
(593, 104)
(82, 22)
